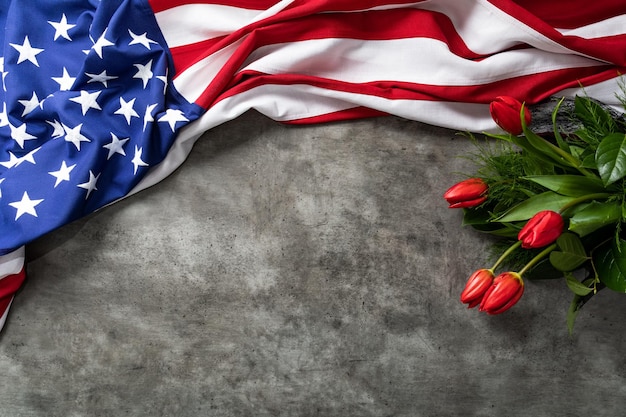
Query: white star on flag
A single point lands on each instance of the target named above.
(87, 100)
(126, 109)
(100, 78)
(27, 52)
(25, 206)
(72, 134)
(65, 81)
(140, 39)
(147, 116)
(58, 129)
(28, 157)
(61, 28)
(144, 72)
(1, 181)
(18, 133)
(63, 174)
(91, 184)
(15, 161)
(102, 42)
(137, 162)
(116, 146)
(172, 116)
(164, 79)
(3, 72)
(4, 119)
(30, 105)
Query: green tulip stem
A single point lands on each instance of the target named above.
(584, 198)
(505, 254)
(537, 258)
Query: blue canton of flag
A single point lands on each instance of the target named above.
(87, 109)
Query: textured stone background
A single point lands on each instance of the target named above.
(297, 271)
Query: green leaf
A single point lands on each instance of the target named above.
(594, 216)
(559, 139)
(574, 308)
(588, 138)
(610, 263)
(495, 229)
(592, 114)
(528, 208)
(597, 121)
(534, 166)
(572, 254)
(611, 158)
(530, 150)
(480, 220)
(576, 286)
(548, 150)
(474, 216)
(505, 137)
(569, 185)
(579, 301)
(589, 161)
(570, 243)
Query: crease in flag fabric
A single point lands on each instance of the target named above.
(101, 99)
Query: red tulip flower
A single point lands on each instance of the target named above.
(541, 230)
(477, 285)
(469, 193)
(505, 111)
(506, 290)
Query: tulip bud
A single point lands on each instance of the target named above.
(469, 193)
(505, 111)
(476, 286)
(506, 290)
(541, 230)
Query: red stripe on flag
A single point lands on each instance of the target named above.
(11, 283)
(348, 114)
(187, 55)
(569, 14)
(530, 88)
(317, 6)
(162, 5)
(379, 25)
(372, 25)
(610, 48)
(4, 305)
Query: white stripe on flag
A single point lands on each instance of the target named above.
(193, 23)
(609, 27)
(357, 61)
(487, 30)
(12, 263)
(193, 81)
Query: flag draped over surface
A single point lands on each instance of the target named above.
(100, 99)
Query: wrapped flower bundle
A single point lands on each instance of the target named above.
(557, 200)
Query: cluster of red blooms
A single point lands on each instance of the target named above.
(496, 294)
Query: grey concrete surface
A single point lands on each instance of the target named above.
(297, 271)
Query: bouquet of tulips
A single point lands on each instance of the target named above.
(557, 200)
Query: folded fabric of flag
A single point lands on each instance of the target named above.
(101, 99)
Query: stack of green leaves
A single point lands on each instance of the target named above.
(582, 176)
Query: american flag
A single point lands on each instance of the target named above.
(101, 99)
